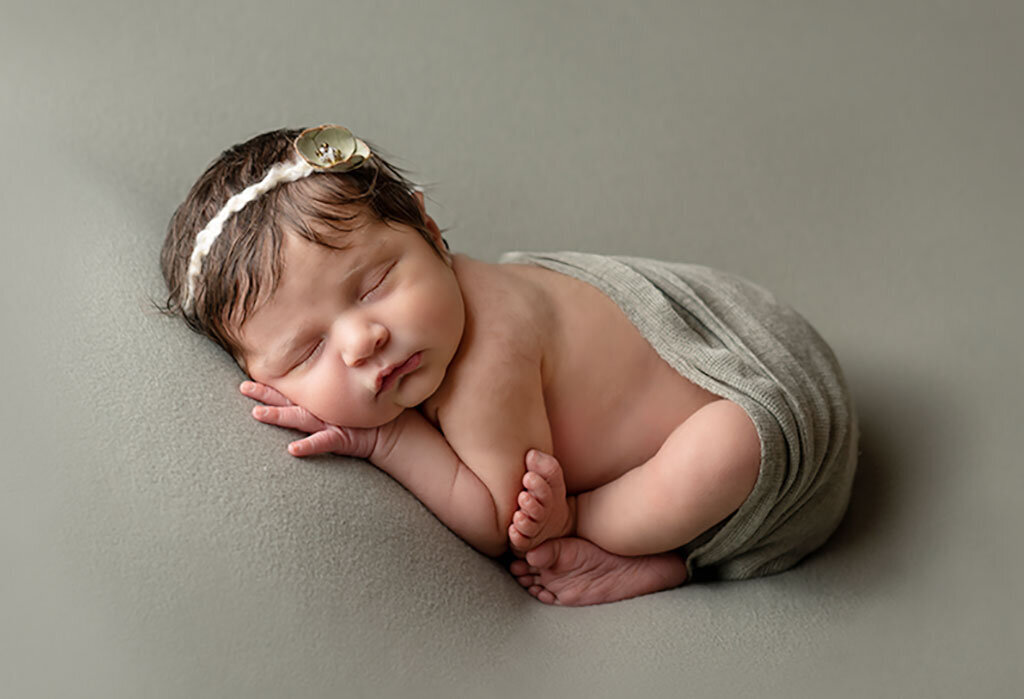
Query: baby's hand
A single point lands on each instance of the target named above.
(323, 438)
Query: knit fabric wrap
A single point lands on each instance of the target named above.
(736, 340)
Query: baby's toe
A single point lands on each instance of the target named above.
(543, 464)
(519, 567)
(545, 555)
(527, 581)
(537, 486)
(530, 505)
(525, 525)
(517, 540)
(542, 594)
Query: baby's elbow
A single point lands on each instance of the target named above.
(486, 543)
(486, 535)
(496, 542)
(494, 548)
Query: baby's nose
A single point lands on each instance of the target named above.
(364, 343)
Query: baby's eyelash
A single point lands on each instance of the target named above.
(379, 281)
(312, 353)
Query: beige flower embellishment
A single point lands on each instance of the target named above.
(331, 148)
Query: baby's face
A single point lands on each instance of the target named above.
(355, 336)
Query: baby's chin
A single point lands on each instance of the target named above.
(417, 387)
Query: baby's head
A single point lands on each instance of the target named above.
(267, 212)
(243, 265)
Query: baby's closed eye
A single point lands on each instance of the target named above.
(312, 353)
(377, 281)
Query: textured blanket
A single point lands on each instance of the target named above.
(736, 340)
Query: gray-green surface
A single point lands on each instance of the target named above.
(864, 161)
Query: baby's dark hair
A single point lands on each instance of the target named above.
(244, 265)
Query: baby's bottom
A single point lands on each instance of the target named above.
(703, 472)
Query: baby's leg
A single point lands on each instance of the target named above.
(571, 571)
(703, 472)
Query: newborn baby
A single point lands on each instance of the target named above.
(621, 424)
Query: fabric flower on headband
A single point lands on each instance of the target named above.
(331, 148)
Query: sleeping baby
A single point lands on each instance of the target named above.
(621, 425)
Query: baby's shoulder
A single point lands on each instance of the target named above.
(507, 311)
(502, 352)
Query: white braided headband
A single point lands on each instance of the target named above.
(327, 148)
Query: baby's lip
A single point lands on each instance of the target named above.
(397, 369)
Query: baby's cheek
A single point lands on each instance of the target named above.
(318, 403)
(443, 318)
(296, 394)
(332, 403)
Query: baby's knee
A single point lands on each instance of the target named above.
(738, 432)
(722, 450)
(737, 427)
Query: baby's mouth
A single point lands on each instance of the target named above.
(387, 378)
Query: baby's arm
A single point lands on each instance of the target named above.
(471, 475)
(493, 427)
(415, 454)
(410, 450)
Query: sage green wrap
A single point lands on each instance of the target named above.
(736, 340)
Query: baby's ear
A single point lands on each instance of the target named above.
(435, 232)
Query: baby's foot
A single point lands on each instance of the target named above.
(574, 572)
(544, 512)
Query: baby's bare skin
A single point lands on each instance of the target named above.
(646, 460)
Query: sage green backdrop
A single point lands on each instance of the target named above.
(864, 160)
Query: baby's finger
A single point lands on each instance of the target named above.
(319, 443)
(291, 416)
(263, 393)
